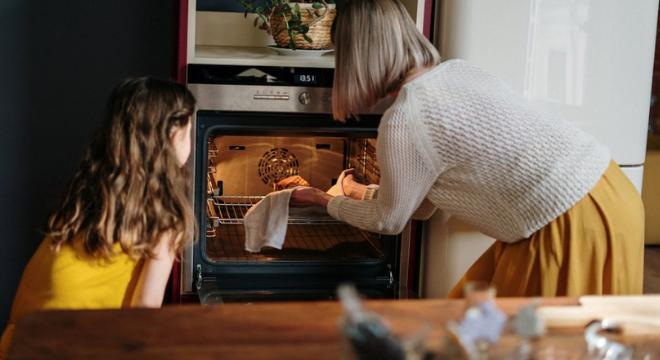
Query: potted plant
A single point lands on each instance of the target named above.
(299, 24)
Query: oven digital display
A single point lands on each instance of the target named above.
(260, 75)
(305, 79)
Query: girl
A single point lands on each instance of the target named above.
(567, 220)
(125, 213)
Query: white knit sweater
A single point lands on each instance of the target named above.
(461, 139)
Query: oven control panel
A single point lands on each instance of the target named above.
(256, 98)
(264, 88)
(271, 94)
(304, 97)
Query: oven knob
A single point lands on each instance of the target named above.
(304, 98)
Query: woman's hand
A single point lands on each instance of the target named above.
(309, 196)
(352, 188)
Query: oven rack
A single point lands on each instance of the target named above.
(231, 209)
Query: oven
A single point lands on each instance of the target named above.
(254, 126)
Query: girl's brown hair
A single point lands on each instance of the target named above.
(376, 45)
(130, 188)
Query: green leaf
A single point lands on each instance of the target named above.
(308, 39)
(317, 5)
(256, 20)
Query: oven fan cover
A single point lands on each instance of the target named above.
(277, 164)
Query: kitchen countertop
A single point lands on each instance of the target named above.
(300, 330)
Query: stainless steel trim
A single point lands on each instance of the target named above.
(271, 97)
(252, 98)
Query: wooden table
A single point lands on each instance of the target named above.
(303, 330)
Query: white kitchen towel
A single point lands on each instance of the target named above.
(265, 222)
(337, 189)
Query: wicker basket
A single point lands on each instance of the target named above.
(319, 28)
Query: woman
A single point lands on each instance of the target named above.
(567, 220)
(125, 214)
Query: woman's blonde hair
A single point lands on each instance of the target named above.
(376, 45)
(130, 188)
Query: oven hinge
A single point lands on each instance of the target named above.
(391, 276)
(199, 277)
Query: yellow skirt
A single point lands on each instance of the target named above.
(596, 247)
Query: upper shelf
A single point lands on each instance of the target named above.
(229, 38)
(258, 56)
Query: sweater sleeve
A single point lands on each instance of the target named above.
(424, 212)
(406, 178)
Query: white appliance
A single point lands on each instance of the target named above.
(589, 61)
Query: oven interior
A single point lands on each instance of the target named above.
(242, 169)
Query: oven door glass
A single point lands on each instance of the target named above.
(242, 169)
(239, 159)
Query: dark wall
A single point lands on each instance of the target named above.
(58, 62)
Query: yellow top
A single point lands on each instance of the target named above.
(71, 279)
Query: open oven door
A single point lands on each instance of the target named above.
(319, 252)
(213, 290)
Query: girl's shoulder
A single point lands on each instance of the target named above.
(72, 255)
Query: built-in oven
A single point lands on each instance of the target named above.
(254, 126)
